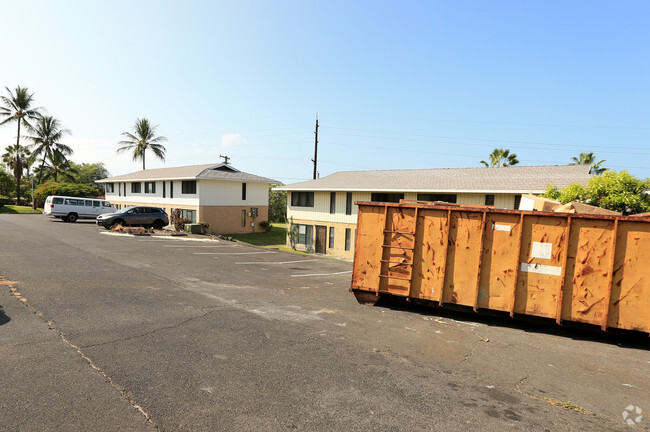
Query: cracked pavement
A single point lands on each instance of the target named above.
(114, 333)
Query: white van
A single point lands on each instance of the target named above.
(72, 208)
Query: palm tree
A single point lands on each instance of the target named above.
(589, 159)
(143, 138)
(501, 158)
(18, 107)
(14, 158)
(47, 134)
(58, 166)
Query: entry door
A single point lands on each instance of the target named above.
(321, 239)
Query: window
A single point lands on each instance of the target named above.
(348, 235)
(331, 242)
(243, 218)
(171, 189)
(136, 187)
(332, 202)
(489, 200)
(387, 197)
(89, 203)
(119, 189)
(517, 201)
(106, 204)
(97, 203)
(188, 187)
(73, 202)
(305, 234)
(57, 201)
(348, 203)
(109, 187)
(302, 199)
(150, 187)
(189, 214)
(243, 191)
(164, 188)
(124, 188)
(448, 198)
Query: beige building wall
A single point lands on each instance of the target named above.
(232, 219)
(339, 238)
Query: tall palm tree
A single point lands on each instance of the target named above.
(58, 166)
(47, 134)
(18, 107)
(589, 159)
(142, 139)
(501, 158)
(14, 158)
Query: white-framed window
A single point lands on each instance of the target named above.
(136, 187)
(189, 214)
(188, 187)
(150, 187)
(305, 235)
(302, 199)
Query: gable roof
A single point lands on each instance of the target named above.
(220, 171)
(513, 179)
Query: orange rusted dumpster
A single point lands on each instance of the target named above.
(591, 269)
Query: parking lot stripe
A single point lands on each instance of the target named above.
(275, 262)
(323, 274)
(197, 246)
(232, 253)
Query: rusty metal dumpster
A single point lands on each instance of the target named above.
(591, 269)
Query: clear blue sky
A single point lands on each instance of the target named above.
(427, 84)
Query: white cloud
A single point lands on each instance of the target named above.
(231, 140)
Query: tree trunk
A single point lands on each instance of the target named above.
(143, 160)
(18, 165)
(40, 172)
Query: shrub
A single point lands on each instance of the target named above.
(266, 226)
(81, 190)
(618, 191)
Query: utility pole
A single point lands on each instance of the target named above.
(226, 159)
(315, 159)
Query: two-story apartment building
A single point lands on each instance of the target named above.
(229, 200)
(326, 216)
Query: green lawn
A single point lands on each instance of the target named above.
(12, 209)
(277, 237)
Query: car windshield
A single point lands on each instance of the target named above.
(124, 210)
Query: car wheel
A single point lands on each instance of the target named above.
(158, 224)
(72, 217)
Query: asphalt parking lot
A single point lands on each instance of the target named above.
(110, 332)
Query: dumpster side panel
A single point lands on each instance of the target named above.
(587, 270)
(368, 250)
(630, 299)
(463, 258)
(398, 246)
(498, 268)
(542, 259)
(430, 254)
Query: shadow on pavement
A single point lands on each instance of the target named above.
(4, 319)
(576, 331)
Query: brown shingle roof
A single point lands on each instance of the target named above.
(514, 179)
(209, 171)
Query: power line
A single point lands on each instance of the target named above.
(473, 139)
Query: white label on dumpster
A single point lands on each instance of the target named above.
(502, 227)
(541, 250)
(541, 269)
